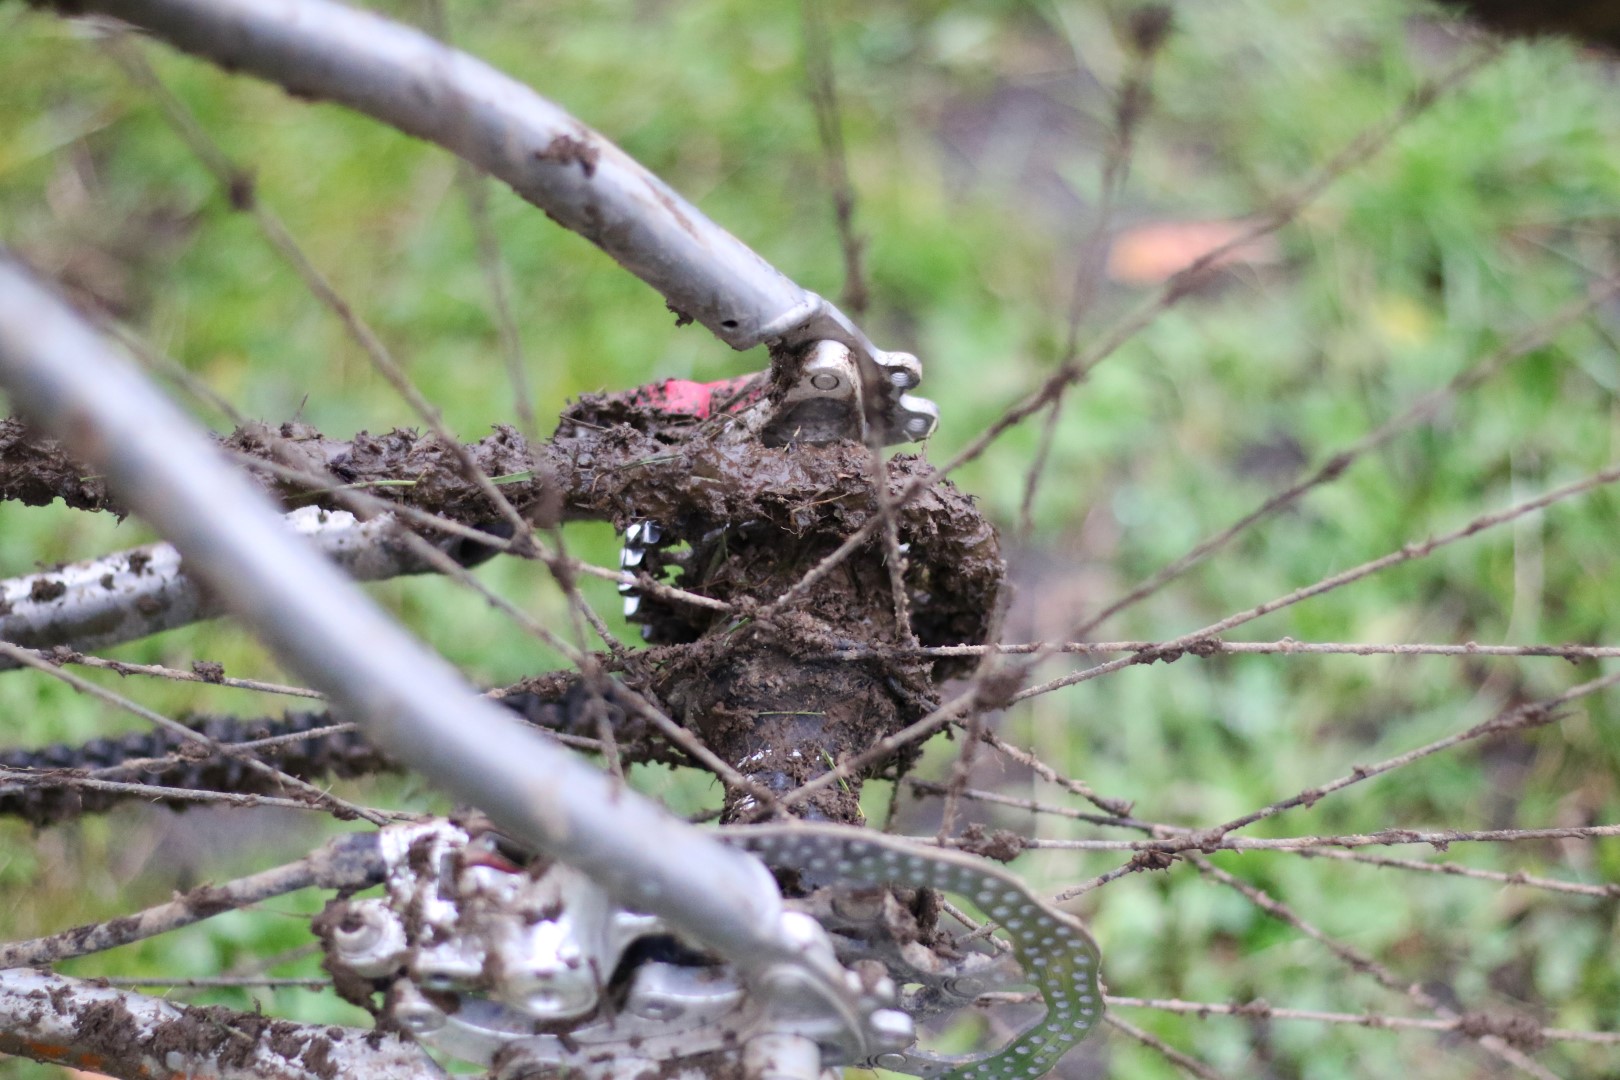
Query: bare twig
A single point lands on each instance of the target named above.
(1187, 840)
(1608, 891)
(315, 795)
(1147, 30)
(1220, 647)
(1193, 641)
(1422, 411)
(159, 1038)
(158, 671)
(350, 861)
(1263, 1010)
(822, 87)
(1185, 1062)
(1490, 1039)
(1360, 149)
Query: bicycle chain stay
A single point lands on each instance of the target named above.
(536, 972)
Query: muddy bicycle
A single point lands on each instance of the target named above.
(803, 597)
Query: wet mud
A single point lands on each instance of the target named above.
(741, 522)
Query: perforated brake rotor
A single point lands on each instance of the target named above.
(1058, 955)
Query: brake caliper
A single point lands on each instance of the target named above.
(536, 972)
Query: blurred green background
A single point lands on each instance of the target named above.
(977, 135)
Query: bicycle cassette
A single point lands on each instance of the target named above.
(535, 972)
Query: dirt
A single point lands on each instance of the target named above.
(742, 522)
(572, 150)
(35, 471)
(45, 590)
(1002, 845)
(752, 520)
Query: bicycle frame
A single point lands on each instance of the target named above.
(323, 50)
(72, 384)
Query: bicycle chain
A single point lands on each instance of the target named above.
(1057, 953)
(48, 796)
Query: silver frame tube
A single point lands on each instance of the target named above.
(407, 79)
(398, 75)
(133, 594)
(323, 627)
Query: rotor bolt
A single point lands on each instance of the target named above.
(902, 378)
(419, 1021)
(358, 931)
(890, 1061)
(826, 380)
(893, 1028)
(918, 425)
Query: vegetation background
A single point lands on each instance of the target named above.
(977, 138)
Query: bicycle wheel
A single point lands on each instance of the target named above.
(1414, 275)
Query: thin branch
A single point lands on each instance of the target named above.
(1148, 28)
(1422, 411)
(73, 1022)
(331, 803)
(1185, 1062)
(822, 87)
(1608, 891)
(1193, 641)
(1493, 1041)
(1209, 647)
(1439, 839)
(158, 671)
(1263, 1010)
(1519, 718)
(1177, 288)
(351, 861)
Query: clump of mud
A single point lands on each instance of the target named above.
(743, 523)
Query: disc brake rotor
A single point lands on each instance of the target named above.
(1057, 953)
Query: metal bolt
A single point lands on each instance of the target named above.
(890, 1061)
(419, 1019)
(773, 1055)
(357, 931)
(825, 380)
(891, 1027)
(919, 425)
(902, 378)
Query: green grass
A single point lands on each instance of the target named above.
(1486, 214)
